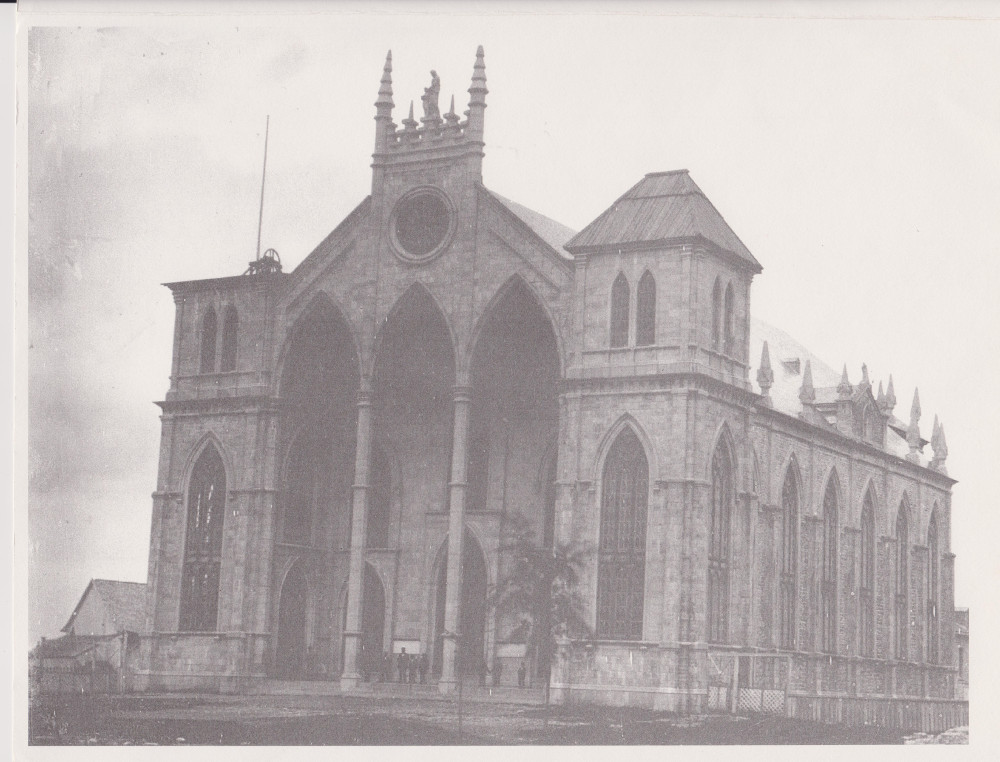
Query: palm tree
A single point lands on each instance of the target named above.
(539, 587)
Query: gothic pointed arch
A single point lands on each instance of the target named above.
(230, 335)
(902, 579)
(209, 331)
(373, 615)
(717, 315)
(290, 646)
(206, 511)
(722, 503)
(791, 489)
(625, 421)
(728, 321)
(867, 551)
(472, 609)
(516, 291)
(418, 303)
(619, 311)
(933, 586)
(645, 310)
(622, 539)
(320, 325)
(828, 577)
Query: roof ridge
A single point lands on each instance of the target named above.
(668, 172)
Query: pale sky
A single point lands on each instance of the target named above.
(857, 159)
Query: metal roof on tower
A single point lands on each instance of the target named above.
(662, 208)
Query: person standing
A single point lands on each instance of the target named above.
(497, 669)
(424, 664)
(403, 664)
(521, 671)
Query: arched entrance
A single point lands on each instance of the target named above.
(290, 653)
(472, 614)
(372, 623)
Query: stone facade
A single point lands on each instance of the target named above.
(445, 363)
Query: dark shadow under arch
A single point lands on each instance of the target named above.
(290, 649)
(472, 611)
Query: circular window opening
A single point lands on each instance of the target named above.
(423, 221)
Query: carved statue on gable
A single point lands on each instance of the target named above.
(430, 98)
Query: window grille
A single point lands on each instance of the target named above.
(932, 590)
(718, 556)
(829, 583)
(622, 549)
(868, 576)
(902, 584)
(206, 508)
(789, 558)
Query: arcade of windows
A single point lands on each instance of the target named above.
(621, 566)
(209, 340)
(645, 311)
(723, 329)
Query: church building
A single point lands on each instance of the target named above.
(346, 446)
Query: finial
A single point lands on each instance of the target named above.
(880, 399)
(478, 87)
(807, 394)
(765, 376)
(940, 447)
(385, 88)
(844, 387)
(864, 375)
(890, 398)
(913, 430)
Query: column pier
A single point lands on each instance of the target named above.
(351, 675)
(456, 535)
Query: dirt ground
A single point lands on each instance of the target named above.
(392, 720)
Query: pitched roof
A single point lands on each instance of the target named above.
(553, 233)
(662, 207)
(124, 601)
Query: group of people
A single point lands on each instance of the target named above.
(408, 667)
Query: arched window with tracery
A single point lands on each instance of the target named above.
(622, 546)
(933, 560)
(619, 311)
(728, 325)
(789, 557)
(716, 315)
(902, 583)
(867, 597)
(209, 329)
(206, 510)
(645, 311)
(718, 552)
(828, 586)
(230, 325)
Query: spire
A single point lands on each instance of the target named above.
(844, 387)
(890, 398)
(880, 399)
(864, 376)
(765, 376)
(913, 430)
(384, 128)
(807, 394)
(940, 448)
(384, 101)
(477, 100)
